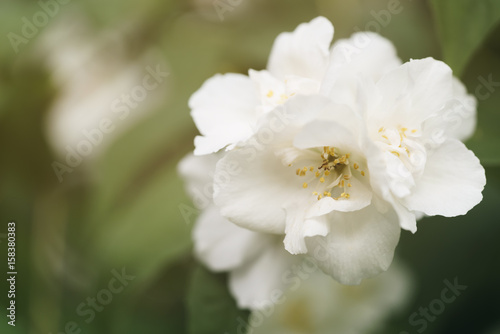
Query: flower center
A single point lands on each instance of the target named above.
(331, 178)
(396, 139)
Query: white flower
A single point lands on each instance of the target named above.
(317, 304)
(310, 181)
(227, 107)
(354, 146)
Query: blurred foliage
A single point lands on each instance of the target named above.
(211, 307)
(463, 26)
(121, 209)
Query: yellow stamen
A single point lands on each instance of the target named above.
(381, 129)
(327, 172)
(270, 93)
(322, 180)
(356, 166)
(304, 185)
(362, 173)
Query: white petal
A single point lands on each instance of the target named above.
(304, 52)
(223, 246)
(252, 188)
(452, 182)
(413, 93)
(328, 133)
(458, 120)
(380, 182)
(465, 112)
(365, 53)
(407, 218)
(224, 110)
(270, 89)
(360, 245)
(252, 285)
(360, 197)
(298, 227)
(197, 173)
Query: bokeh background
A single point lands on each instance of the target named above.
(124, 206)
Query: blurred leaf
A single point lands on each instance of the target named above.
(160, 308)
(463, 26)
(211, 308)
(146, 231)
(483, 80)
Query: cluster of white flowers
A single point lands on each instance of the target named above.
(326, 155)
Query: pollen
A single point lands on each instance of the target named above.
(414, 130)
(384, 136)
(327, 172)
(270, 93)
(297, 171)
(322, 180)
(349, 185)
(381, 129)
(304, 185)
(317, 174)
(356, 166)
(362, 173)
(311, 168)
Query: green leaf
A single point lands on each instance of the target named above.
(483, 80)
(463, 26)
(211, 308)
(145, 232)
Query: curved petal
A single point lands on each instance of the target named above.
(252, 188)
(223, 246)
(360, 244)
(224, 110)
(253, 284)
(360, 197)
(380, 182)
(365, 53)
(465, 109)
(452, 182)
(304, 52)
(328, 133)
(298, 227)
(412, 93)
(197, 173)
